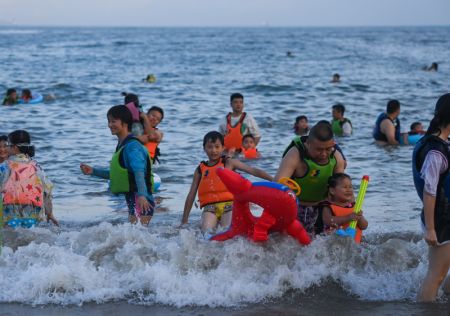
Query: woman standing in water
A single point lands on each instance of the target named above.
(431, 168)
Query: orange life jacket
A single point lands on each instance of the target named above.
(251, 153)
(23, 186)
(344, 211)
(211, 189)
(153, 150)
(151, 147)
(233, 136)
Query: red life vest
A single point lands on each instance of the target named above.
(211, 189)
(233, 136)
(344, 211)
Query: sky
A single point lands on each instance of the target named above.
(225, 12)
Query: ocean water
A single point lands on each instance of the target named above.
(97, 263)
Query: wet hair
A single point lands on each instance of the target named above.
(26, 92)
(336, 75)
(121, 112)
(158, 109)
(434, 66)
(22, 140)
(321, 131)
(336, 178)
(3, 138)
(10, 91)
(300, 117)
(236, 96)
(414, 125)
(130, 97)
(213, 136)
(248, 136)
(339, 107)
(392, 106)
(441, 115)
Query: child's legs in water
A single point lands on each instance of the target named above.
(209, 221)
(212, 213)
(438, 266)
(134, 211)
(225, 218)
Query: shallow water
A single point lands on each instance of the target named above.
(95, 257)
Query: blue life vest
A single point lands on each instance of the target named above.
(442, 207)
(378, 135)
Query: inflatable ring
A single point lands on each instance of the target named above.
(291, 184)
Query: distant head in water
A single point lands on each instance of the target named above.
(151, 78)
(336, 78)
(26, 95)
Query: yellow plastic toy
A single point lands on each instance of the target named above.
(291, 184)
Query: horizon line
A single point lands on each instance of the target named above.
(220, 26)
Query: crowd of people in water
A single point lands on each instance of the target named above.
(313, 160)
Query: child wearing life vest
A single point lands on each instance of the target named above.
(238, 123)
(26, 191)
(249, 150)
(130, 168)
(152, 135)
(340, 125)
(214, 197)
(337, 210)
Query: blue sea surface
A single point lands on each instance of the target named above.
(97, 257)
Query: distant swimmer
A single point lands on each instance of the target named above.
(151, 78)
(415, 133)
(289, 54)
(336, 78)
(26, 95)
(433, 67)
(301, 127)
(416, 128)
(387, 125)
(11, 97)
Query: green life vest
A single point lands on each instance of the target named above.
(121, 179)
(314, 183)
(336, 126)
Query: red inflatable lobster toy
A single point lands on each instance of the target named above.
(277, 200)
